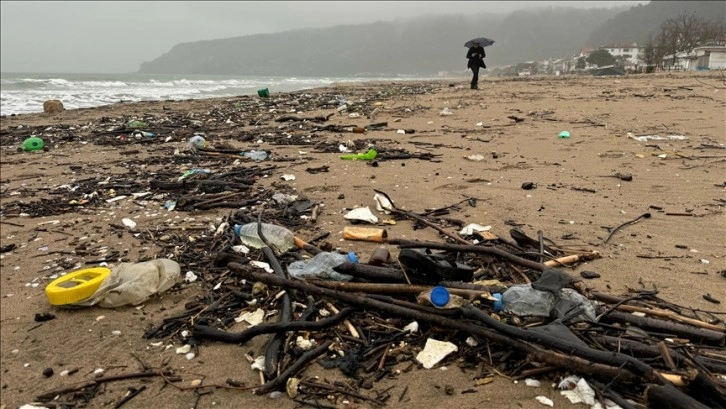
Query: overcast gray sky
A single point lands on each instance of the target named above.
(116, 37)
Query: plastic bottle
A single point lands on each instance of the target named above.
(278, 236)
(524, 300)
(255, 155)
(33, 144)
(440, 297)
(197, 141)
(321, 266)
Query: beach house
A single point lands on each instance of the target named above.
(712, 57)
(629, 54)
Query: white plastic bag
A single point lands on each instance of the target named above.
(133, 284)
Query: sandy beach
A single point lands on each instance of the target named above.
(666, 131)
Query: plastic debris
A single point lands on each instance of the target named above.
(363, 214)
(545, 401)
(472, 228)
(370, 155)
(253, 318)
(646, 138)
(32, 144)
(128, 223)
(434, 352)
(532, 382)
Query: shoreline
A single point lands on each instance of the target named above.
(377, 83)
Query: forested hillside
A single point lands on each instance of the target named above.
(422, 46)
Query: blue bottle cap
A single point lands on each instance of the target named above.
(237, 229)
(352, 257)
(498, 305)
(439, 296)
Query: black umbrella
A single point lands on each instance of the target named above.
(483, 41)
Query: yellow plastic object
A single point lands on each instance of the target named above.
(76, 286)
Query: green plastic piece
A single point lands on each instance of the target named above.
(370, 155)
(564, 134)
(33, 144)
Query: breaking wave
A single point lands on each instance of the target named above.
(25, 93)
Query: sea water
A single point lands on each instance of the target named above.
(25, 93)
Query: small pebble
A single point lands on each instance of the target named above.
(48, 372)
(589, 274)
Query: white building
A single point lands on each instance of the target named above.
(631, 54)
(708, 58)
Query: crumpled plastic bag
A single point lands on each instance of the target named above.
(134, 283)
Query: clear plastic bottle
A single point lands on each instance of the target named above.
(321, 266)
(255, 156)
(278, 236)
(523, 300)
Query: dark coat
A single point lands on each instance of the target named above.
(476, 57)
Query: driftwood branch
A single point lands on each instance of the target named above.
(203, 331)
(97, 381)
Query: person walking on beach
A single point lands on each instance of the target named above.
(476, 56)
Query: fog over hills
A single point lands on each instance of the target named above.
(422, 46)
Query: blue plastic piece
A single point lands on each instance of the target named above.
(498, 305)
(439, 296)
(352, 257)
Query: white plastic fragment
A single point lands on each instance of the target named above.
(646, 138)
(434, 352)
(262, 265)
(363, 214)
(582, 393)
(532, 382)
(128, 223)
(259, 363)
(382, 203)
(253, 318)
(189, 356)
(184, 349)
(545, 401)
(474, 228)
(412, 327)
(190, 277)
(288, 177)
(241, 248)
(569, 382)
